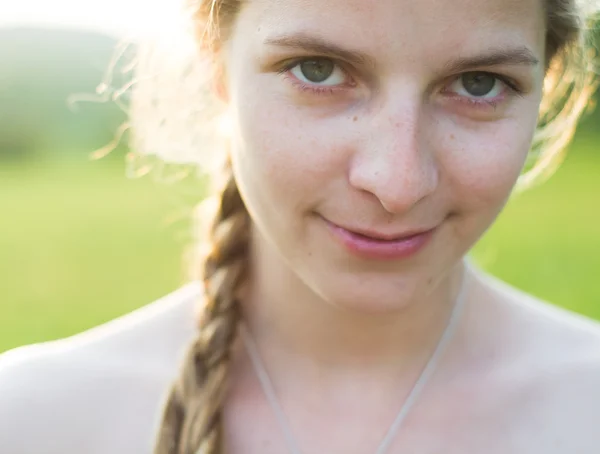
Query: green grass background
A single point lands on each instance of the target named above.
(81, 243)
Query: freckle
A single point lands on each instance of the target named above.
(354, 118)
(451, 136)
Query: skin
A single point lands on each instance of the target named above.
(395, 144)
(393, 148)
(343, 337)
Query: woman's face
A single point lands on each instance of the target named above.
(380, 117)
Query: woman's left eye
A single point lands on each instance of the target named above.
(318, 72)
(478, 85)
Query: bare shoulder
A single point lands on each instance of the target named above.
(552, 333)
(99, 391)
(553, 359)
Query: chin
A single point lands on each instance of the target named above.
(372, 294)
(384, 288)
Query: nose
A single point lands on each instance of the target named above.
(394, 160)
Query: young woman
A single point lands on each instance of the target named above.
(370, 145)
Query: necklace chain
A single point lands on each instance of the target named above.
(269, 390)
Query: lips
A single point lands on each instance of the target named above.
(380, 235)
(378, 245)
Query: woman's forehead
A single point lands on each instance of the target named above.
(402, 28)
(399, 17)
(424, 10)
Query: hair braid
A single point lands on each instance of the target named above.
(192, 417)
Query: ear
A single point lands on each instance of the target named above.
(214, 54)
(220, 81)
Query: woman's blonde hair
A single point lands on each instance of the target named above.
(192, 421)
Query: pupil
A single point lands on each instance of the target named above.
(317, 70)
(478, 84)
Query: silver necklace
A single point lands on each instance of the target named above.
(269, 390)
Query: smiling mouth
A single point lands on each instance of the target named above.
(383, 237)
(387, 238)
(377, 245)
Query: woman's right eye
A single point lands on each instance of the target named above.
(318, 72)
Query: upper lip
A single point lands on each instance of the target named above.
(384, 236)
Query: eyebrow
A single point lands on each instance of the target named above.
(314, 44)
(496, 57)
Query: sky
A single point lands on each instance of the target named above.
(130, 18)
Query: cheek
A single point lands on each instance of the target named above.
(283, 148)
(483, 164)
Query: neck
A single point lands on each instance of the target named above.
(295, 328)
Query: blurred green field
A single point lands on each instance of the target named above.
(81, 244)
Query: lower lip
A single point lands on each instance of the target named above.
(380, 249)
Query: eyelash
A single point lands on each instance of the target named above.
(511, 87)
(510, 84)
(315, 89)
